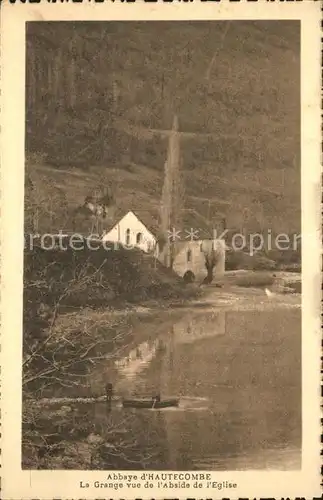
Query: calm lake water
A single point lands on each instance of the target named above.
(238, 375)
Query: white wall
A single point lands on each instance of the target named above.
(197, 263)
(130, 222)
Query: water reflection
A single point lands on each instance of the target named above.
(138, 358)
(238, 377)
(193, 327)
(239, 374)
(198, 326)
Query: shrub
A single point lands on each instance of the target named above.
(241, 260)
(255, 279)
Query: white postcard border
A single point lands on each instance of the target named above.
(18, 484)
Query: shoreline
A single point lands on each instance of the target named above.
(57, 414)
(87, 337)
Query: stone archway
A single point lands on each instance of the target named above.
(189, 277)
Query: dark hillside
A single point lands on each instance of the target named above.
(83, 277)
(100, 95)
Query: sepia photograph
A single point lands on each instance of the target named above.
(160, 251)
(162, 261)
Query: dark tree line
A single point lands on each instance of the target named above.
(87, 81)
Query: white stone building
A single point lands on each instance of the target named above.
(130, 231)
(188, 255)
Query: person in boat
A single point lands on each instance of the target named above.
(156, 398)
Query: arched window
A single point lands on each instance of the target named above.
(128, 237)
(189, 255)
(139, 238)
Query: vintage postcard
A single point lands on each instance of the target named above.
(160, 250)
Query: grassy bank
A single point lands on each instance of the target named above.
(82, 277)
(288, 260)
(82, 305)
(259, 279)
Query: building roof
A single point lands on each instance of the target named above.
(194, 227)
(144, 216)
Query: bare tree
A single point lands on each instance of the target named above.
(99, 207)
(212, 254)
(71, 75)
(66, 438)
(46, 207)
(32, 72)
(57, 73)
(59, 351)
(173, 192)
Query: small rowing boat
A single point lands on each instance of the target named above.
(149, 403)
